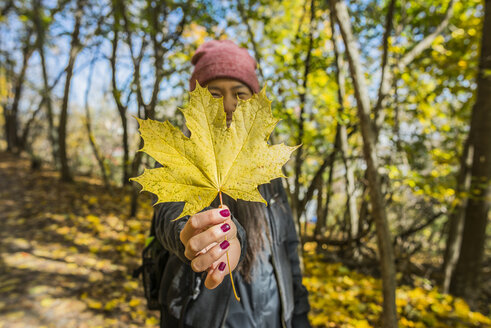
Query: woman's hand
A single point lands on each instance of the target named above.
(204, 236)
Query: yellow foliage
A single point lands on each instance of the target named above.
(195, 33)
(47, 302)
(461, 308)
(130, 286)
(94, 304)
(111, 305)
(340, 297)
(152, 321)
(135, 302)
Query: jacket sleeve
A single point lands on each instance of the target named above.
(300, 293)
(168, 231)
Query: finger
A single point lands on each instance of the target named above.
(219, 269)
(214, 234)
(233, 253)
(215, 276)
(202, 262)
(202, 220)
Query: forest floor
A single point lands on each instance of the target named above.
(67, 252)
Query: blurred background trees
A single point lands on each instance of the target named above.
(390, 100)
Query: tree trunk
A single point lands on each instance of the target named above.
(456, 219)
(49, 107)
(343, 136)
(11, 114)
(88, 125)
(74, 50)
(350, 184)
(297, 203)
(321, 223)
(22, 144)
(465, 282)
(121, 110)
(46, 88)
(134, 189)
(384, 240)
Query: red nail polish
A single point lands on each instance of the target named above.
(224, 244)
(221, 266)
(225, 227)
(225, 213)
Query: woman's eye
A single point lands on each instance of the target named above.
(216, 95)
(241, 94)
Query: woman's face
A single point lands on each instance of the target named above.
(230, 90)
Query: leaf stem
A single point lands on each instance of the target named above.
(228, 260)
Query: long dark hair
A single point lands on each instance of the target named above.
(251, 216)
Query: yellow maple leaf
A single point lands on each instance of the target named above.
(215, 158)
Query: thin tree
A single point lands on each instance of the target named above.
(161, 39)
(41, 30)
(465, 281)
(298, 159)
(384, 240)
(11, 111)
(457, 217)
(118, 12)
(88, 125)
(343, 136)
(75, 48)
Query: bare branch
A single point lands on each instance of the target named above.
(426, 42)
(385, 79)
(301, 127)
(88, 125)
(251, 37)
(415, 228)
(115, 91)
(387, 76)
(328, 161)
(6, 8)
(25, 132)
(136, 59)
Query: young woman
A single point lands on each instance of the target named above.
(261, 241)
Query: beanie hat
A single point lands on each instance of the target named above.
(223, 59)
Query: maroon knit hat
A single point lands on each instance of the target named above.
(223, 59)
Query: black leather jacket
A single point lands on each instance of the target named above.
(183, 294)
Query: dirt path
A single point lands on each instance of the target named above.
(66, 253)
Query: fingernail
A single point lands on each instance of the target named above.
(225, 227)
(225, 213)
(224, 244)
(221, 266)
